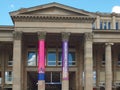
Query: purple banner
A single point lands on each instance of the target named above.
(65, 60)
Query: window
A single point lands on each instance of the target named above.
(118, 63)
(105, 25)
(71, 57)
(32, 58)
(0, 78)
(51, 58)
(93, 26)
(109, 25)
(117, 25)
(53, 78)
(103, 59)
(10, 61)
(94, 78)
(8, 77)
(101, 25)
(60, 59)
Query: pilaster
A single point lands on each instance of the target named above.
(88, 62)
(17, 56)
(98, 22)
(113, 21)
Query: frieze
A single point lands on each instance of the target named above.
(17, 35)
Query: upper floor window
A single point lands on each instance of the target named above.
(71, 58)
(109, 25)
(118, 62)
(105, 25)
(103, 59)
(10, 60)
(32, 58)
(8, 77)
(51, 58)
(101, 25)
(0, 78)
(117, 25)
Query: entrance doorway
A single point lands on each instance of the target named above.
(53, 80)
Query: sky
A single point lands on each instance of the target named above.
(7, 6)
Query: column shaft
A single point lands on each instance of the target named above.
(108, 67)
(17, 61)
(41, 61)
(65, 71)
(88, 62)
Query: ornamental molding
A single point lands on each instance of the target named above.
(17, 35)
(88, 36)
(55, 18)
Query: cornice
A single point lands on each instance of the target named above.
(57, 18)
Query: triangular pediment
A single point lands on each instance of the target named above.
(52, 9)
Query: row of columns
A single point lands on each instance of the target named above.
(88, 62)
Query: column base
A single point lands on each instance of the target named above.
(65, 84)
(41, 85)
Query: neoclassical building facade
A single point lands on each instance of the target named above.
(58, 47)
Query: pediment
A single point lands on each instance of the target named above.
(52, 9)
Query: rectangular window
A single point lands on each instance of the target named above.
(71, 58)
(109, 25)
(105, 25)
(51, 58)
(53, 78)
(0, 78)
(103, 60)
(10, 61)
(118, 63)
(32, 58)
(117, 25)
(60, 59)
(8, 77)
(94, 78)
(101, 26)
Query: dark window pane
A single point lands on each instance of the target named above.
(117, 26)
(109, 25)
(55, 77)
(60, 58)
(71, 57)
(48, 77)
(51, 58)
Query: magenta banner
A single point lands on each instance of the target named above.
(65, 60)
(41, 59)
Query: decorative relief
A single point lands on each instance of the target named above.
(88, 36)
(17, 35)
(65, 36)
(41, 35)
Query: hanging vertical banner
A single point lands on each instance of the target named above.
(65, 60)
(41, 60)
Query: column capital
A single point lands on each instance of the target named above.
(41, 35)
(65, 36)
(88, 36)
(109, 44)
(17, 35)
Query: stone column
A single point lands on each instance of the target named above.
(41, 60)
(113, 21)
(88, 62)
(108, 67)
(65, 71)
(17, 58)
(98, 22)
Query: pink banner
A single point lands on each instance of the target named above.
(41, 57)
